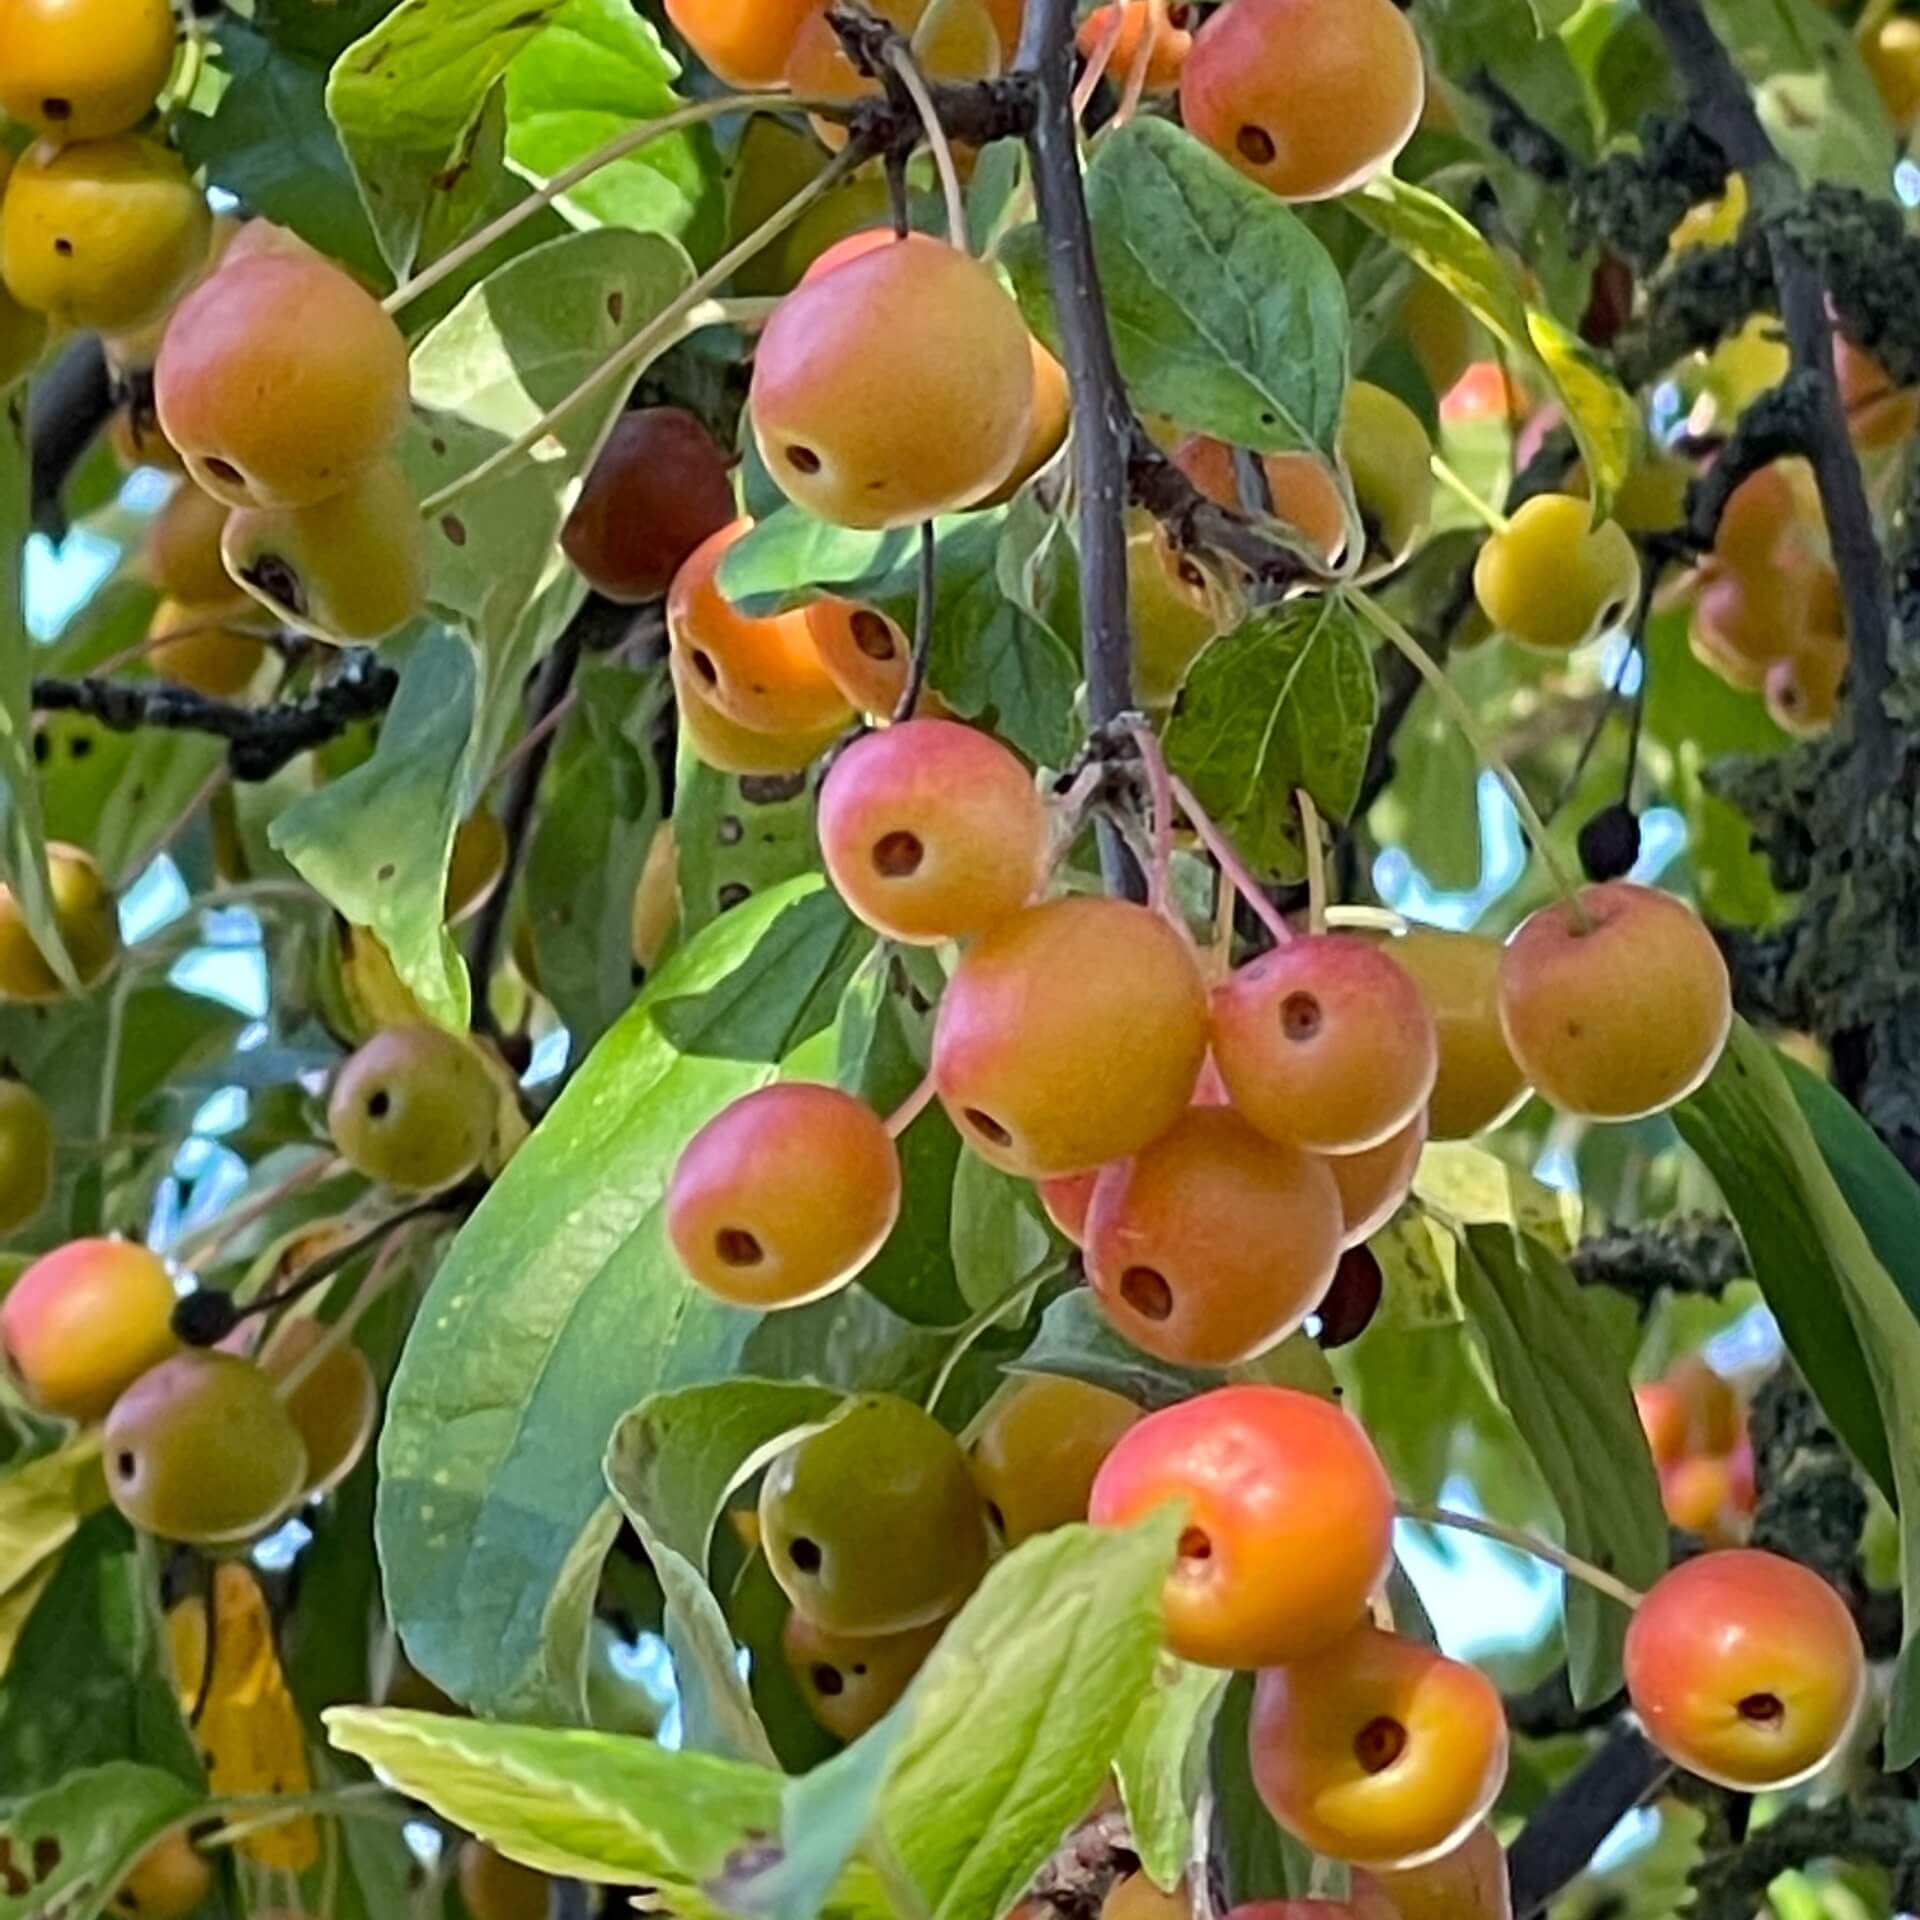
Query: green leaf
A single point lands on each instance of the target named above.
(1076, 1342)
(1226, 313)
(87, 1682)
(1257, 1859)
(1286, 701)
(513, 348)
(1446, 245)
(757, 1611)
(375, 843)
(72, 1844)
(786, 558)
(735, 836)
(1469, 1183)
(788, 991)
(559, 1308)
(268, 140)
(717, 1714)
(23, 849)
(41, 1507)
(603, 1807)
(597, 70)
(1809, 1252)
(1576, 1415)
(1019, 1712)
(408, 98)
(998, 1234)
(1162, 1765)
(677, 1455)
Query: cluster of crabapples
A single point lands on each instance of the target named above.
(1697, 1432)
(279, 385)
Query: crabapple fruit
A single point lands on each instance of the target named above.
(849, 1682)
(207, 648)
(334, 1400)
(721, 742)
(84, 69)
(745, 42)
(85, 1321)
(414, 1109)
(868, 658)
(87, 915)
(1373, 1183)
(1479, 1084)
(1039, 1445)
(26, 1153)
(1551, 579)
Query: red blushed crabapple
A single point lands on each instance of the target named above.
(1710, 1406)
(746, 43)
(1372, 1184)
(1067, 1201)
(1167, 56)
(1746, 1669)
(1379, 1751)
(1309, 97)
(1070, 1034)
(1325, 1043)
(84, 1322)
(303, 330)
(1288, 1521)
(1039, 1445)
(896, 386)
(932, 831)
(784, 1196)
(1663, 1418)
(1213, 1243)
(850, 1681)
(721, 742)
(1616, 1006)
(660, 488)
(866, 654)
(1479, 1084)
(764, 674)
(1469, 1883)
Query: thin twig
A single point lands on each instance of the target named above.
(902, 62)
(923, 612)
(1233, 869)
(1316, 860)
(912, 1107)
(1571, 1564)
(1160, 795)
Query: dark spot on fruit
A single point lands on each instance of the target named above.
(277, 578)
(125, 1465)
(898, 856)
(827, 1680)
(454, 528)
(1147, 1293)
(1195, 1544)
(987, 1127)
(225, 470)
(63, 247)
(803, 460)
(1301, 1016)
(53, 107)
(704, 667)
(379, 1104)
(737, 1247)
(1255, 145)
(1762, 1710)
(805, 1554)
(1379, 1743)
(873, 635)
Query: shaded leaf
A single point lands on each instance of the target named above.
(1076, 1342)
(67, 1847)
(1162, 1765)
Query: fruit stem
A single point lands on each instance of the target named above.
(1098, 61)
(911, 1108)
(903, 64)
(228, 1226)
(1463, 717)
(1522, 1541)
(693, 309)
(1135, 88)
(539, 731)
(1233, 869)
(380, 1278)
(1316, 861)
(927, 592)
(568, 178)
(1160, 792)
(1020, 1295)
(1496, 521)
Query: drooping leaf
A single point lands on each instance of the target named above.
(1254, 1855)
(559, 1308)
(1162, 1765)
(68, 1846)
(1287, 701)
(41, 1507)
(999, 1237)
(597, 69)
(1844, 1319)
(1076, 1342)
(407, 99)
(375, 843)
(1576, 1414)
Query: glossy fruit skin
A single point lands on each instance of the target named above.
(1177, 607)
(1046, 427)
(1165, 62)
(1663, 1418)
(103, 235)
(849, 1682)
(1068, 1200)
(932, 831)
(1469, 1882)
(1272, 1478)
(1803, 690)
(1374, 1183)
(873, 1524)
(1479, 1083)
(168, 1882)
(865, 653)
(897, 386)
(783, 1196)
(1325, 1043)
(180, 552)
(656, 899)
(26, 1155)
(476, 863)
(1553, 580)
(660, 489)
(763, 674)
(1070, 1034)
(1213, 1243)
(199, 1449)
(351, 567)
(413, 1109)
(295, 326)
(1137, 1898)
(335, 1406)
(745, 42)
(723, 743)
(89, 922)
(85, 1321)
(84, 69)
(211, 650)
(1315, 1764)
(1389, 460)
(1308, 97)
(1746, 1630)
(1038, 1448)
(492, 1887)
(1624, 1018)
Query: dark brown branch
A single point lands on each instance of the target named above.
(1566, 1829)
(1699, 1255)
(1725, 109)
(260, 740)
(70, 403)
